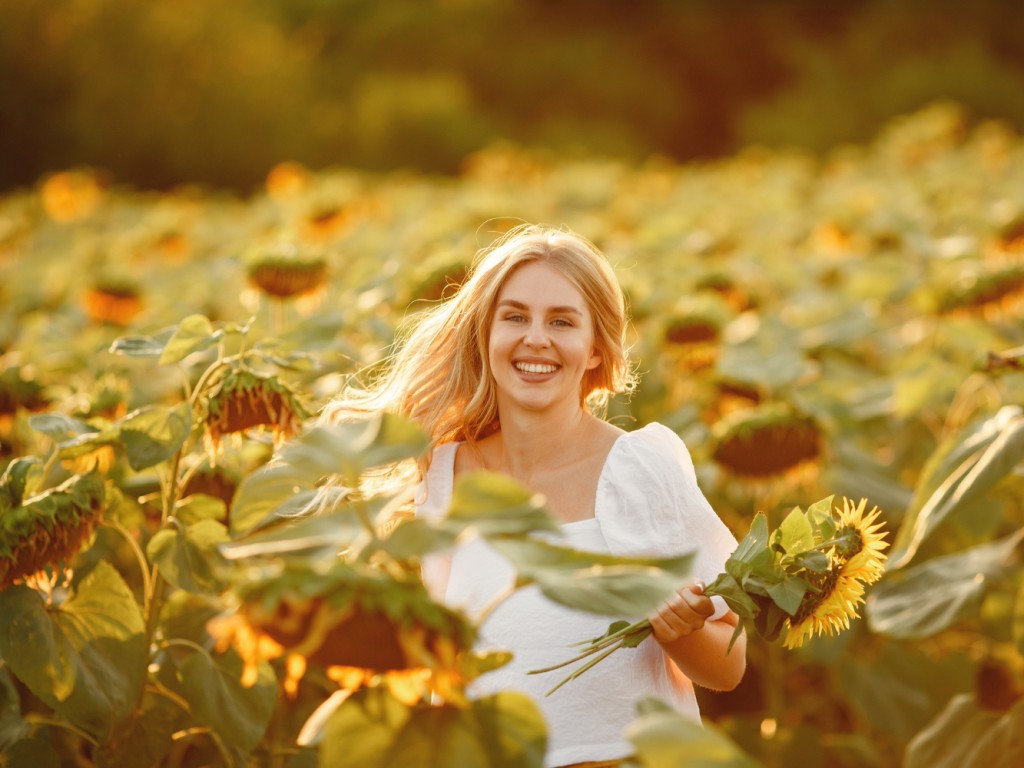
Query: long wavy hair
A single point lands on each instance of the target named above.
(438, 373)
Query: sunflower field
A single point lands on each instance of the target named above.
(813, 326)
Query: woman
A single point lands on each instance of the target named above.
(507, 376)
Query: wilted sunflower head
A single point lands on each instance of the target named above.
(767, 442)
(71, 195)
(287, 180)
(47, 529)
(285, 272)
(365, 623)
(113, 302)
(995, 294)
(855, 560)
(1011, 236)
(693, 334)
(241, 400)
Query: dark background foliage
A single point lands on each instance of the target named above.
(168, 92)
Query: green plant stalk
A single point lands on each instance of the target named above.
(38, 720)
(140, 558)
(604, 646)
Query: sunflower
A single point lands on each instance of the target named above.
(362, 633)
(242, 400)
(766, 442)
(71, 195)
(287, 180)
(284, 272)
(48, 529)
(112, 302)
(997, 294)
(855, 561)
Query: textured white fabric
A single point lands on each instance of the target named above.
(647, 503)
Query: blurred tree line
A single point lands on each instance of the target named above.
(165, 92)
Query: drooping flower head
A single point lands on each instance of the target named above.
(47, 529)
(767, 442)
(242, 399)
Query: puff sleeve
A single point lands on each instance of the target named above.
(649, 504)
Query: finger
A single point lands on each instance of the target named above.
(682, 615)
(698, 602)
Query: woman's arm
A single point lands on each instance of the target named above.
(697, 646)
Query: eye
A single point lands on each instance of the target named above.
(561, 322)
(514, 317)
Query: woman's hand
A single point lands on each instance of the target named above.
(682, 614)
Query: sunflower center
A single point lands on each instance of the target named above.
(849, 541)
(822, 586)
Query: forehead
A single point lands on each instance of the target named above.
(540, 285)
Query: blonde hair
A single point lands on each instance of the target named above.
(438, 373)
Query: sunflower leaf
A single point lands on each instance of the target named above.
(193, 334)
(932, 596)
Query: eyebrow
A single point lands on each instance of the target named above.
(554, 310)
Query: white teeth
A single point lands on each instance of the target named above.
(536, 368)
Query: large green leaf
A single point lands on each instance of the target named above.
(34, 752)
(898, 690)
(967, 736)
(371, 729)
(140, 346)
(604, 584)
(663, 738)
(351, 448)
(957, 449)
(315, 536)
(342, 449)
(200, 506)
(926, 599)
(155, 433)
(86, 658)
(218, 699)
(12, 726)
(771, 357)
(145, 738)
(193, 334)
(58, 426)
(978, 473)
(188, 556)
(496, 505)
(417, 537)
(261, 493)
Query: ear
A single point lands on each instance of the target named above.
(594, 361)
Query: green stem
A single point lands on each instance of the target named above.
(39, 720)
(203, 730)
(598, 644)
(585, 667)
(158, 689)
(140, 558)
(493, 603)
(180, 642)
(48, 466)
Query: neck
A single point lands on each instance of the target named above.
(531, 442)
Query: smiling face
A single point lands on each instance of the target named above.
(541, 340)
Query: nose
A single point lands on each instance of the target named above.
(536, 336)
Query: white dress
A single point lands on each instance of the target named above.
(647, 503)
